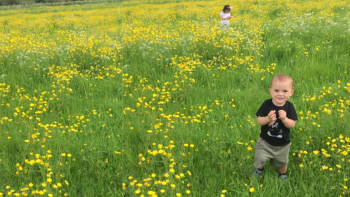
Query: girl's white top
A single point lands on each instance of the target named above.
(224, 15)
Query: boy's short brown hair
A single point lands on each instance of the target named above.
(281, 77)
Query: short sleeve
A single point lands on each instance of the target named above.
(221, 13)
(263, 110)
(292, 114)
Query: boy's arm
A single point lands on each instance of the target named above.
(269, 119)
(263, 120)
(289, 123)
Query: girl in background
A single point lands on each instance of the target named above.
(225, 16)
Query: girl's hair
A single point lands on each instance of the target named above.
(226, 7)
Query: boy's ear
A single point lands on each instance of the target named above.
(292, 92)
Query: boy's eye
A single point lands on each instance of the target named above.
(285, 91)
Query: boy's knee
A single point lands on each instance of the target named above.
(283, 169)
(259, 163)
(278, 164)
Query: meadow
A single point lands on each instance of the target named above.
(152, 98)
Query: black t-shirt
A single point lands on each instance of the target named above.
(276, 134)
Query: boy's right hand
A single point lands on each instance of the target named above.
(272, 117)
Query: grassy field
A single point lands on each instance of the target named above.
(151, 98)
(13, 4)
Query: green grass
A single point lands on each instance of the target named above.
(191, 100)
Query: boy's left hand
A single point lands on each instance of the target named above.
(282, 114)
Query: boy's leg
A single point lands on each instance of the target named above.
(283, 169)
(283, 173)
(280, 161)
(262, 155)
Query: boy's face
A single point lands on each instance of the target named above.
(281, 91)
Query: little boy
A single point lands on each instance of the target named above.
(276, 116)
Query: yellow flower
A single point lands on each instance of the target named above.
(123, 186)
(251, 190)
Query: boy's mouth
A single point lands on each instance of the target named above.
(279, 99)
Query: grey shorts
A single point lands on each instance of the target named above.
(278, 155)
